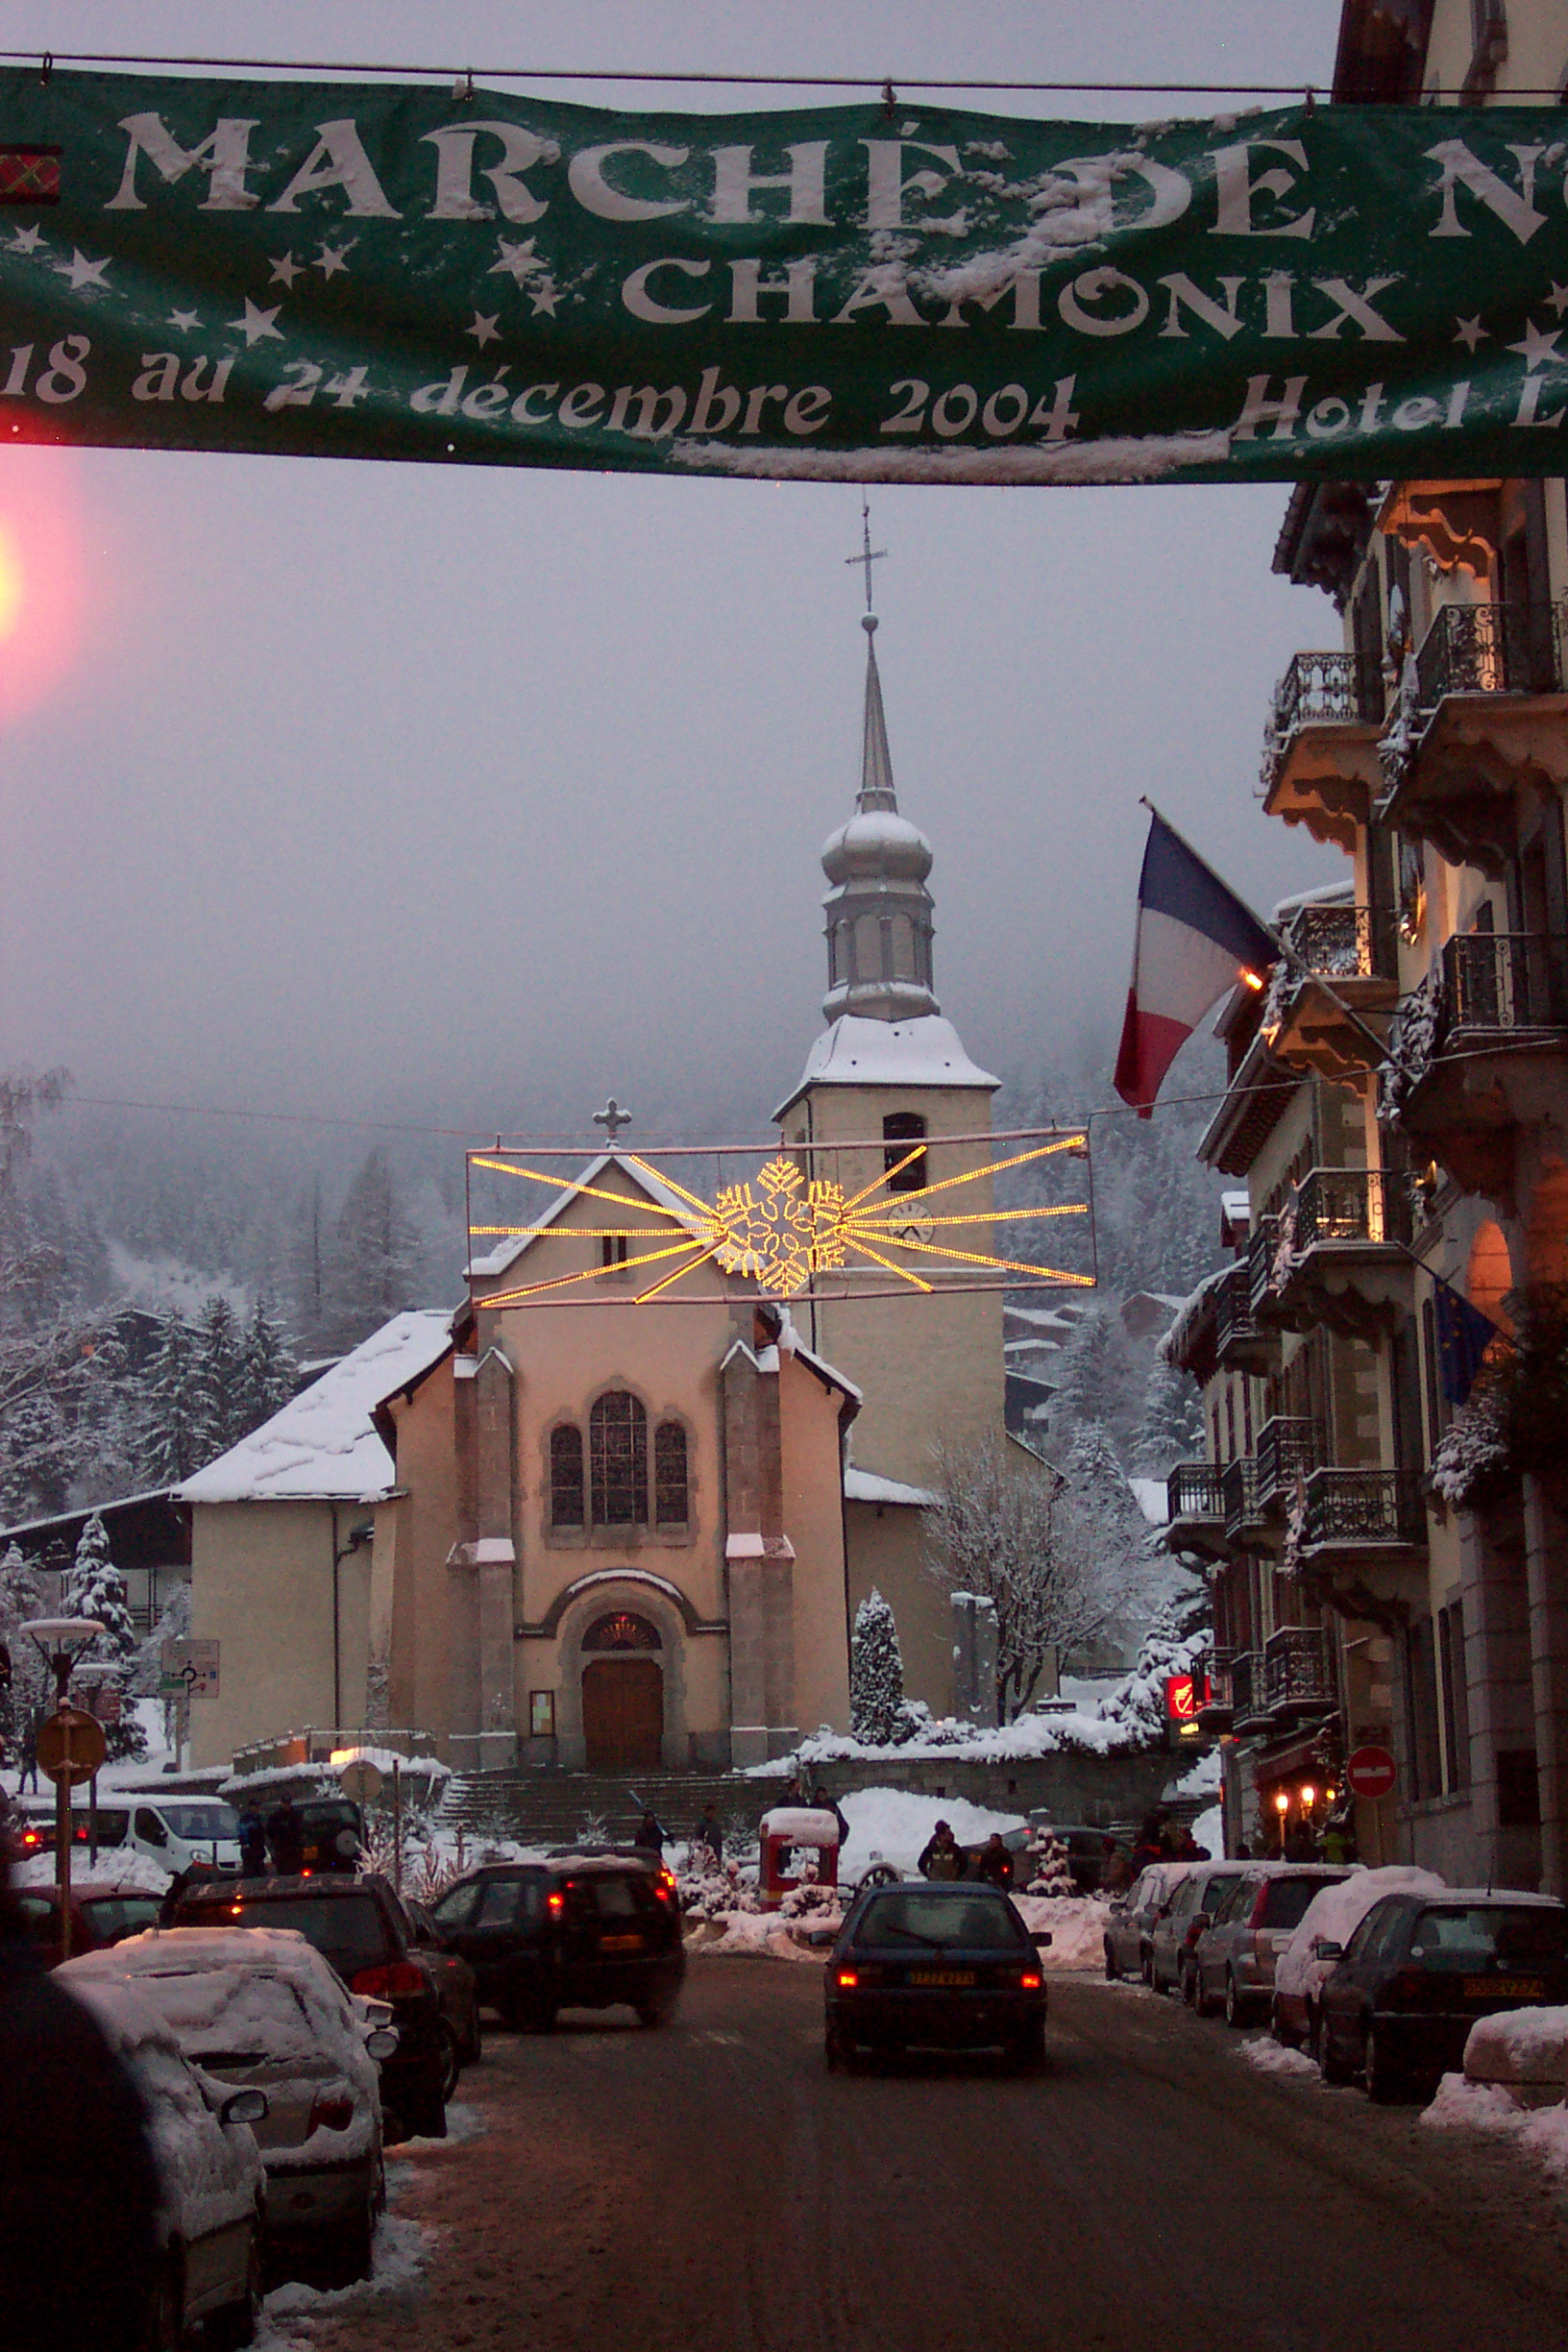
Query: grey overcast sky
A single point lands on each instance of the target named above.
(389, 791)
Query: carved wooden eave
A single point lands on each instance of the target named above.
(1469, 1113)
(1361, 1290)
(1388, 1603)
(1319, 1033)
(1460, 786)
(1456, 522)
(1326, 779)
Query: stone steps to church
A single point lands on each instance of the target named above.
(553, 1808)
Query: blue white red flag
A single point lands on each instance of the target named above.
(1195, 939)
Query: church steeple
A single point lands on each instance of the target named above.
(879, 912)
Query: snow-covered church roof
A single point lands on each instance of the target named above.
(322, 1445)
(924, 1051)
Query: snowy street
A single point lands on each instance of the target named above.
(713, 2185)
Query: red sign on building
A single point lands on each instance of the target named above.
(1185, 1693)
(1371, 1773)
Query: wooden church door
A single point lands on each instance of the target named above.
(623, 1714)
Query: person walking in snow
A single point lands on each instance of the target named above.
(996, 1864)
(944, 1856)
(710, 1834)
(285, 1839)
(252, 1842)
(650, 1836)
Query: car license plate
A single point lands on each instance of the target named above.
(1510, 1988)
(957, 1977)
(621, 1942)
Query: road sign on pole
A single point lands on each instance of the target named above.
(360, 1780)
(1371, 1772)
(71, 1746)
(188, 1668)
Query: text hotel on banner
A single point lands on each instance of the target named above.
(844, 294)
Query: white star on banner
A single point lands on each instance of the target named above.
(1557, 299)
(1471, 332)
(284, 270)
(185, 320)
(27, 241)
(485, 330)
(81, 272)
(543, 299)
(256, 325)
(334, 258)
(519, 262)
(1537, 346)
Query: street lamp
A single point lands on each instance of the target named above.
(1281, 1806)
(60, 1641)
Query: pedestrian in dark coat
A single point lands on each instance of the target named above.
(995, 1863)
(650, 1835)
(285, 1839)
(252, 1842)
(710, 1834)
(944, 1857)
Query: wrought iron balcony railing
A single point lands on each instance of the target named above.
(1348, 942)
(1350, 1205)
(1248, 1697)
(1288, 1447)
(1194, 1493)
(1235, 1327)
(1214, 1713)
(1296, 1671)
(1238, 1485)
(1319, 689)
(1261, 1249)
(1356, 1507)
(1506, 980)
(1491, 648)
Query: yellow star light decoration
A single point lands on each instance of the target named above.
(784, 1228)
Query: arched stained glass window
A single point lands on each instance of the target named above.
(566, 1476)
(670, 1504)
(617, 1460)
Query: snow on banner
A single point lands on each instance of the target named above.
(853, 293)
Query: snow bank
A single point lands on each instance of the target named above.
(116, 1867)
(757, 1935)
(1076, 1929)
(1271, 2057)
(1527, 2048)
(1470, 2106)
(1334, 1916)
(895, 1826)
(402, 2250)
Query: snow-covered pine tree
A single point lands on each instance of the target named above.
(220, 1349)
(175, 1423)
(1180, 1633)
(267, 1370)
(372, 1270)
(1096, 1381)
(94, 1587)
(21, 1597)
(1052, 1872)
(1172, 1425)
(876, 1675)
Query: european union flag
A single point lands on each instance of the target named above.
(1463, 1337)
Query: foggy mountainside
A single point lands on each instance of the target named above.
(165, 1282)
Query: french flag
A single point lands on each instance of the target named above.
(1194, 940)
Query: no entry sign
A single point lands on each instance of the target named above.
(1371, 1773)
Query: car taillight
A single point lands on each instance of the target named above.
(665, 1884)
(332, 2112)
(1192, 1934)
(1030, 1982)
(386, 1983)
(848, 1979)
(557, 1904)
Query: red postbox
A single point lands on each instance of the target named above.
(789, 1832)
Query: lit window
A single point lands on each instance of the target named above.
(618, 1450)
(566, 1476)
(670, 1506)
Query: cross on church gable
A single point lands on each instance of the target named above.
(612, 1118)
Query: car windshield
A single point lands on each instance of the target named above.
(347, 1928)
(1490, 1936)
(196, 1822)
(231, 2016)
(611, 1898)
(1286, 1900)
(931, 1917)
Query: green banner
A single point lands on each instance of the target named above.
(846, 294)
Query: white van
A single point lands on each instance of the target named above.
(176, 1831)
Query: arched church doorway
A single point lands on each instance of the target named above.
(622, 1695)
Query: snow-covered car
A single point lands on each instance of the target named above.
(1130, 1921)
(1233, 1960)
(1173, 1937)
(259, 2009)
(1331, 1917)
(213, 2215)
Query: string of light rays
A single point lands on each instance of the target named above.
(784, 1228)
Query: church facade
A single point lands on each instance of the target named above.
(561, 1527)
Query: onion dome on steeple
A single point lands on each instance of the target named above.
(879, 912)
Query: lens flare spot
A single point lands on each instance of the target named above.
(11, 581)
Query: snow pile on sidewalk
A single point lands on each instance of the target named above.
(401, 2251)
(1271, 2057)
(116, 1867)
(1076, 1929)
(895, 1825)
(758, 1935)
(1462, 2105)
(1523, 2051)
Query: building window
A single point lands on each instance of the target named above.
(566, 1476)
(900, 1130)
(622, 1631)
(613, 1248)
(618, 1451)
(1455, 1694)
(1421, 1745)
(670, 1508)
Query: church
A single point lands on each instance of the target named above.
(578, 1524)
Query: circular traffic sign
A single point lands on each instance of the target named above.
(71, 1746)
(1371, 1773)
(360, 1781)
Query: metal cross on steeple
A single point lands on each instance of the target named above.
(868, 555)
(612, 1118)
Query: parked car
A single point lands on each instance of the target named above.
(266, 2012)
(455, 1981)
(33, 1827)
(1130, 1920)
(180, 1832)
(1233, 1960)
(101, 1917)
(570, 1932)
(945, 1967)
(213, 2217)
(361, 1927)
(1417, 1973)
(1173, 1937)
(332, 1834)
(1330, 1918)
